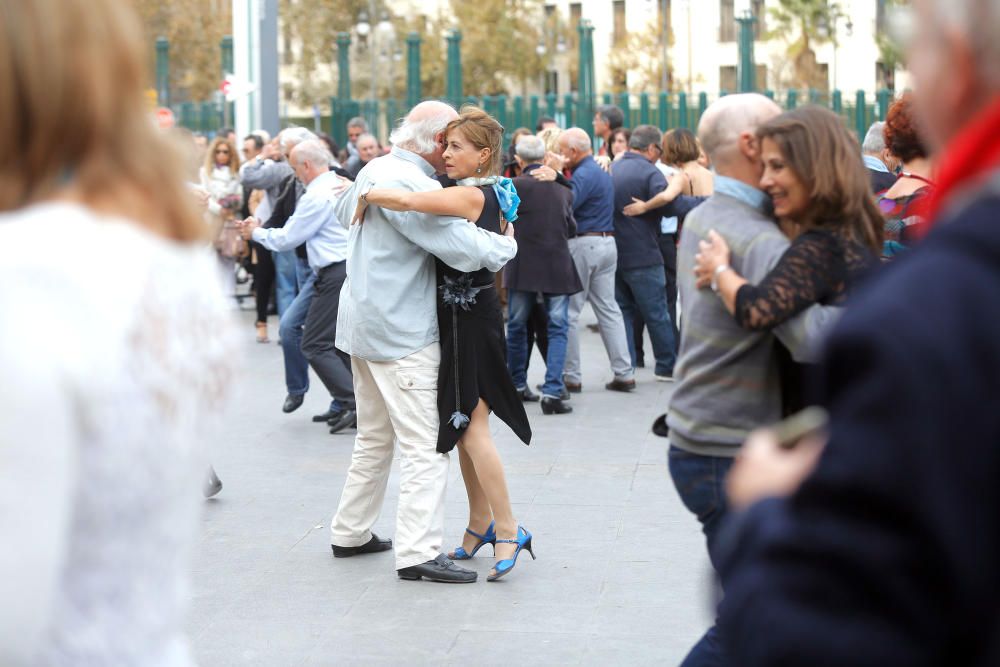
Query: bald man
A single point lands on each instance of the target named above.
(727, 377)
(388, 324)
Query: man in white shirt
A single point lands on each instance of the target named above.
(315, 224)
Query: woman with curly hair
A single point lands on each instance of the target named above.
(904, 204)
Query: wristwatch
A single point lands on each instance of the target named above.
(719, 270)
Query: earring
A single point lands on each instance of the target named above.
(479, 170)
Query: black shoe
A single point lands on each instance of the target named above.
(372, 546)
(564, 396)
(440, 569)
(572, 387)
(292, 402)
(555, 406)
(620, 385)
(329, 416)
(212, 485)
(527, 395)
(348, 419)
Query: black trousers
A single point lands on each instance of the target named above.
(263, 279)
(331, 365)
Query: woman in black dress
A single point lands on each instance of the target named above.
(473, 379)
(823, 201)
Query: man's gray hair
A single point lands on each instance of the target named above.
(358, 121)
(313, 150)
(291, 136)
(645, 136)
(978, 22)
(420, 136)
(728, 117)
(874, 142)
(530, 148)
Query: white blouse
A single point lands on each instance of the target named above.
(116, 353)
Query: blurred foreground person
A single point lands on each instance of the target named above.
(886, 554)
(106, 396)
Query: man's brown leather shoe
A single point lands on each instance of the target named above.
(620, 385)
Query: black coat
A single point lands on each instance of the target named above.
(881, 180)
(545, 223)
(888, 553)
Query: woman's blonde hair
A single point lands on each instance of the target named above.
(550, 137)
(234, 159)
(73, 116)
(826, 157)
(482, 131)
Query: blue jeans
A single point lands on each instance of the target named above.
(519, 305)
(290, 274)
(644, 291)
(700, 482)
(290, 328)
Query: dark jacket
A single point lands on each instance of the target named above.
(544, 226)
(291, 190)
(881, 180)
(888, 553)
(635, 176)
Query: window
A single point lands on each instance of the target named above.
(287, 56)
(620, 31)
(880, 17)
(885, 77)
(727, 79)
(727, 21)
(759, 13)
(550, 10)
(552, 82)
(575, 14)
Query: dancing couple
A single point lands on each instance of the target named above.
(421, 319)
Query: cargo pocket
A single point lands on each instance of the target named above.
(413, 379)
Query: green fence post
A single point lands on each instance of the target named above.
(792, 100)
(838, 102)
(769, 94)
(550, 105)
(860, 115)
(644, 109)
(162, 72)
(455, 67)
(338, 105)
(606, 99)
(568, 104)
(663, 111)
(813, 96)
(682, 109)
(209, 118)
(883, 96)
(623, 104)
(534, 112)
(413, 91)
(702, 106)
(747, 71)
(518, 112)
(501, 114)
(585, 77)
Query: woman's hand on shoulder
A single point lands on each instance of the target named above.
(712, 254)
(636, 208)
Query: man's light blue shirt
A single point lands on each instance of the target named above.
(388, 305)
(314, 223)
(747, 194)
(875, 164)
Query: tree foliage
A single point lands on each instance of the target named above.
(804, 23)
(194, 29)
(642, 56)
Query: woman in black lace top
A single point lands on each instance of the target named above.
(823, 201)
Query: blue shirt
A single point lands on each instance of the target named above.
(875, 164)
(747, 194)
(314, 222)
(593, 197)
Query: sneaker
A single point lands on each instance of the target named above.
(664, 378)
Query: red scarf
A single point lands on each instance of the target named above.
(970, 156)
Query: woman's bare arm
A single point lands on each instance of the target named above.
(460, 201)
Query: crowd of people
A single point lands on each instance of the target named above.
(775, 262)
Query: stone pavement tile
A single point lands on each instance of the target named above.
(487, 647)
(416, 617)
(347, 647)
(633, 651)
(501, 615)
(583, 489)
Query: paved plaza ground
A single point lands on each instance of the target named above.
(622, 577)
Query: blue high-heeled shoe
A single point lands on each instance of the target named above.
(489, 538)
(523, 541)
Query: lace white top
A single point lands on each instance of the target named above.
(115, 357)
